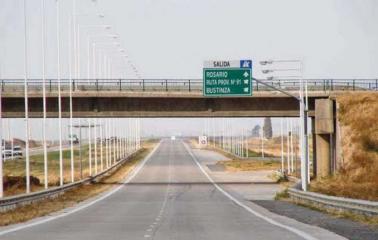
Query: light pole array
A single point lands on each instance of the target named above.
(303, 108)
(116, 144)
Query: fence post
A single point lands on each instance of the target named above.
(257, 86)
(50, 84)
(2, 85)
(96, 84)
(166, 85)
(376, 84)
(189, 86)
(354, 84)
(143, 85)
(120, 84)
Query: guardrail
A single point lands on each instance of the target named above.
(187, 85)
(12, 202)
(364, 207)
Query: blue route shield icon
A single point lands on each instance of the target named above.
(245, 63)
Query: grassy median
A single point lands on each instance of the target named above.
(74, 196)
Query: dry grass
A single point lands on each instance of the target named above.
(371, 220)
(72, 197)
(358, 175)
(17, 168)
(272, 146)
(238, 164)
(249, 165)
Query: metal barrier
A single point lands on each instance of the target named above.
(364, 207)
(12, 202)
(185, 85)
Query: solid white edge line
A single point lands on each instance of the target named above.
(134, 172)
(271, 221)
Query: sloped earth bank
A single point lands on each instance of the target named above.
(358, 175)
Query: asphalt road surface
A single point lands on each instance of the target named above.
(171, 197)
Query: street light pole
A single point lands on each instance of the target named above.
(90, 147)
(288, 146)
(282, 148)
(80, 154)
(45, 163)
(107, 142)
(95, 142)
(59, 95)
(101, 140)
(27, 157)
(1, 147)
(70, 89)
(303, 108)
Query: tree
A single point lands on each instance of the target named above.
(268, 131)
(256, 131)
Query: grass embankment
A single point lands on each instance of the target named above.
(235, 164)
(358, 173)
(16, 168)
(74, 196)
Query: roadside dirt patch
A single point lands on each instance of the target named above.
(17, 184)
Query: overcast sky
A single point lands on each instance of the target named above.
(172, 38)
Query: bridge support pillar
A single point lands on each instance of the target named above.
(324, 137)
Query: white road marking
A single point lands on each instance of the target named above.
(134, 172)
(158, 218)
(269, 220)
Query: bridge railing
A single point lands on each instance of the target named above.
(183, 85)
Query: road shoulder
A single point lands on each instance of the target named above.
(243, 193)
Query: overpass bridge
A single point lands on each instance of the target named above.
(166, 98)
(183, 98)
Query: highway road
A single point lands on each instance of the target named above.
(170, 195)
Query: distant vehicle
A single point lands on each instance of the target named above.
(74, 139)
(7, 152)
(17, 151)
(173, 138)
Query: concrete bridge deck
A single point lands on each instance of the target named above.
(158, 104)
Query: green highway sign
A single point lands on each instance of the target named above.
(222, 82)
